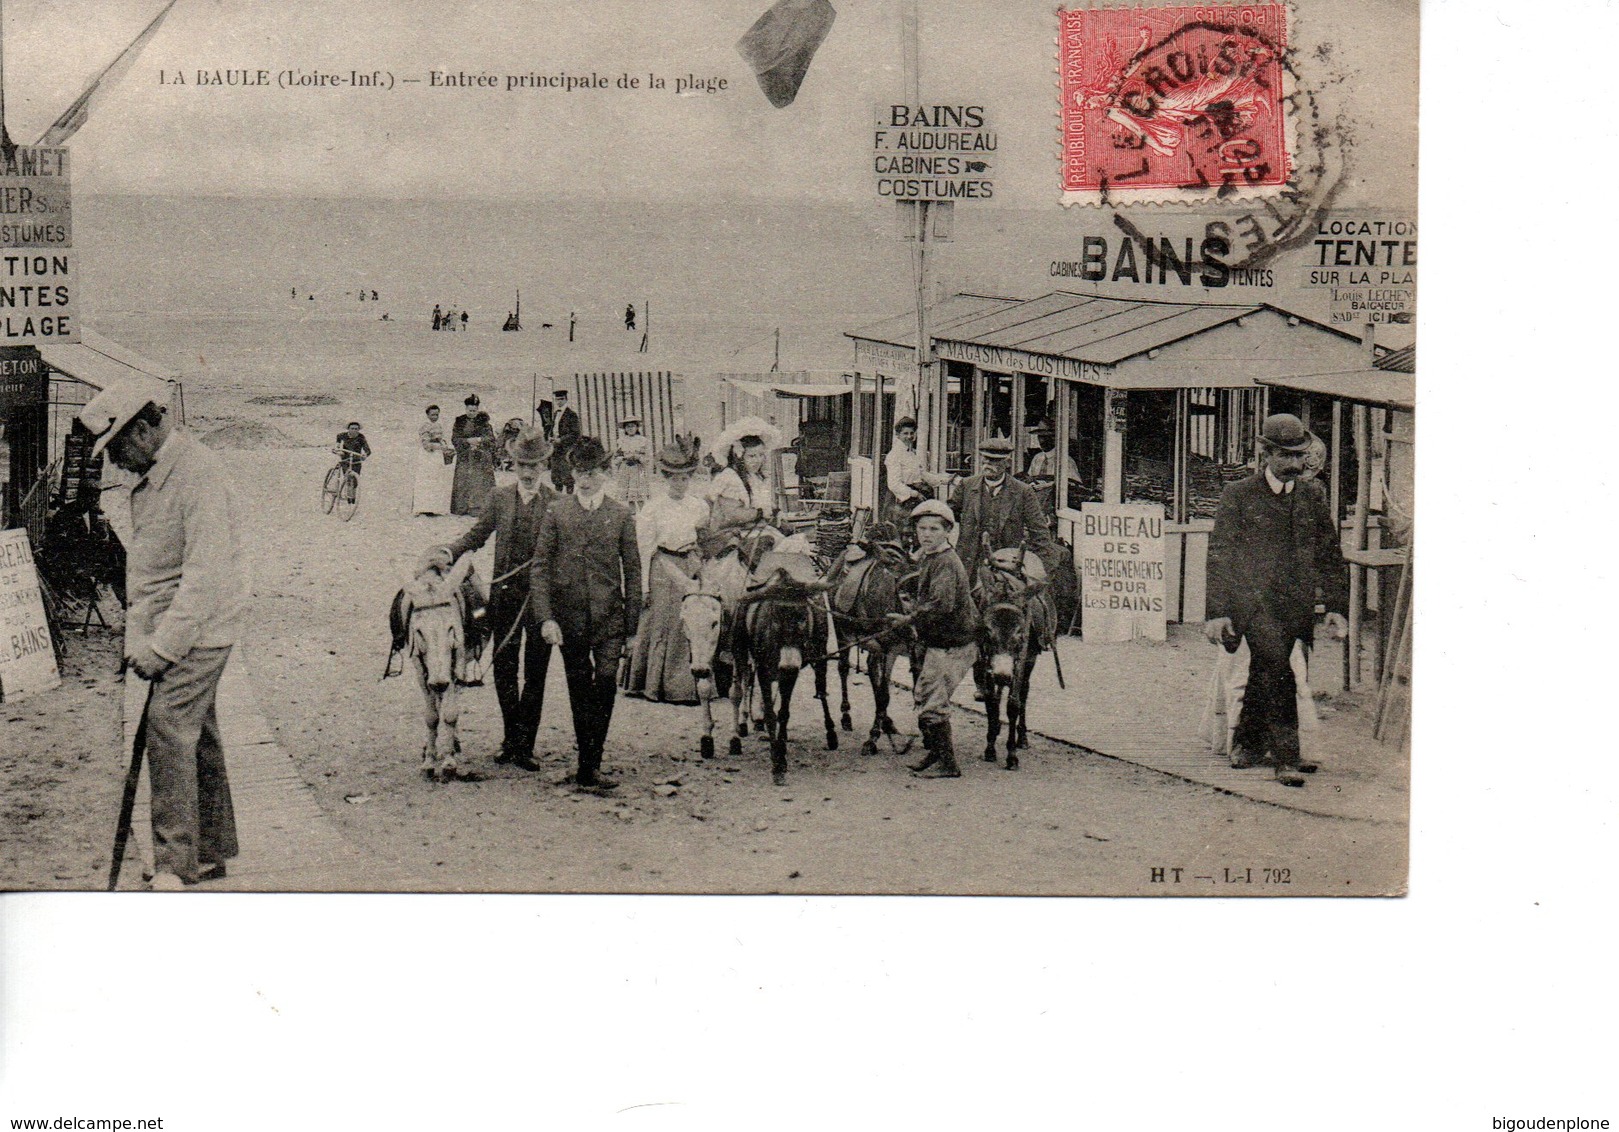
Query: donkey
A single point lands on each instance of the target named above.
(864, 593)
(1016, 624)
(776, 627)
(435, 621)
(706, 611)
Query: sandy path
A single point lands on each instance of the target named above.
(1069, 822)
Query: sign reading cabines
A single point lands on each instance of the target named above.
(1121, 571)
(36, 209)
(27, 654)
(942, 152)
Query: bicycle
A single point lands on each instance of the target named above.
(340, 491)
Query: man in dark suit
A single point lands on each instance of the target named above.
(513, 515)
(998, 511)
(562, 430)
(586, 583)
(1275, 551)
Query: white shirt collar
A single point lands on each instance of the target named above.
(527, 496)
(1278, 487)
(588, 502)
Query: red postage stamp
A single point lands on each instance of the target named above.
(1168, 103)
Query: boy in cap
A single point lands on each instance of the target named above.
(351, 449)
(513, 515)
(562, 429)
(188, 590)
(1274, 550)
(586, 586)
(945, 620)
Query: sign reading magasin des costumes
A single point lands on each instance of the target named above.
(935, 152)
(37, 277)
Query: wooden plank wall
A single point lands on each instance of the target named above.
(604, 399)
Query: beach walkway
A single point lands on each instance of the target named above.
(288, 844)
(1142, 702)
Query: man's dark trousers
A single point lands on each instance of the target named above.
(1270, 707)
(520, 668)
(592, 672)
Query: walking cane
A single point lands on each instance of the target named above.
(126, 808)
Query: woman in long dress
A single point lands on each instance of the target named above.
(474, 440)
(435, 467)
(741, 493)
(632, 462)
(668, 529)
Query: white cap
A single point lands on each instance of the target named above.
(111, 409)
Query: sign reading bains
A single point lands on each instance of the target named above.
(36, 241)
(936, 152)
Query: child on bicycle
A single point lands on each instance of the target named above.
(351, 449)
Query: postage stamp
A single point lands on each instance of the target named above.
(1174, 103)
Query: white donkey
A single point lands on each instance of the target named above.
(705, 614)
(437, 622)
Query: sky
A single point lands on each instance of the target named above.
(416, 142)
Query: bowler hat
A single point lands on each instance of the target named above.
(529, 446)
(996, 448)
(1285, 432)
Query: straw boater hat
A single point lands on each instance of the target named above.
(530, 446)
(631, 419)
(746, 427)
(677, 457)
(115, 406)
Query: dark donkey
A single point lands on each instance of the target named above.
(779, 625)
(864, 594)
(1016, 625)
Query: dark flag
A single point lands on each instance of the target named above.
(780, 45)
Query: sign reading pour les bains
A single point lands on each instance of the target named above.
(1121, 571)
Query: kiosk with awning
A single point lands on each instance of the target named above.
(42, 398)
(812, 409)
(1149, 401)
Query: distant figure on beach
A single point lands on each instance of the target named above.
(463, 320)
(632, 461)
(570, 326)
(295, 292)
(629, 317)
(435, 467)
(438, 317)
(474, 441)
(373, 295)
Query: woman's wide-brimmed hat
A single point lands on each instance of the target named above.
(631, 419)
(733, 436)
(530, 446)
(681, 456)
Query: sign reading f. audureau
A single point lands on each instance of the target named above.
(37, 276)
(934, 152)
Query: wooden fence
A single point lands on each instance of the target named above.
(605, 399)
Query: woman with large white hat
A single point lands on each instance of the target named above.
(741, 493)
(669, 528)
